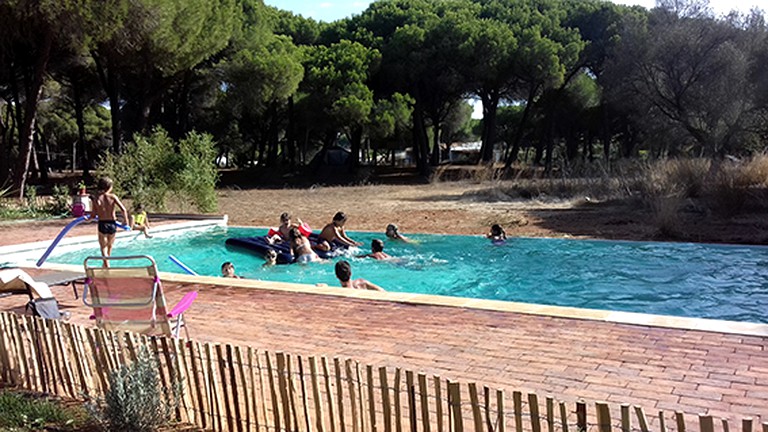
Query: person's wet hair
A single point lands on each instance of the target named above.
(496, 229)
(225, 265)
(285, 217)
(377, 245)
(392, 227)
(340, 216)
(343, 271)
(294, 233)
(104, 184)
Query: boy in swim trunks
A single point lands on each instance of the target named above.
(344, 274)
(104, 208)
(335, 231)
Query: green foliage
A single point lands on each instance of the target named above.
(135, 400)
(154, 167)
(21, 412)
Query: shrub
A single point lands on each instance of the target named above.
(135, 400)
(155, 167)
(26, 412)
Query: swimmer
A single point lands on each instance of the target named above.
(377, 251)
(301, 248)
(393, 233)
(334, 231)
(284, 230)
(344, 274)
(270, 258)
(497, 233)
(228, 271)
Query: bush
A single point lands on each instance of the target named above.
(135, 400)
(154, 168)
(26, 412)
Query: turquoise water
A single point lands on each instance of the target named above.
(692, 280)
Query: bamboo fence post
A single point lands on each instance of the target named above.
(454, 400)
(99, 359)
(221, 361)
(214, 387)
(603, 417)
(439, 403)
(23, 371)
(85, 360)
(57, 358)
(386, 408)
(254, 399)
(517, 403)
(501, 419)
(581, 416)
(262, 388)
(339, 394)
(371, 400)
(396, 401)
(283, 386)
(66, 357)
(37, 367)
(724, 422)
(663, 422)
(273, 393)
(564, 416)
(533, 407)
(550, 414)
(359, 385)
(487, 407)
(474, 401)
(244, 386)
(680, 419)
(316, 394)
(641, 418)
(174, 379)
(765, 426)
(235, 388)
(424, 393)
(195, 355)
(351, 387)
(77, 356)
(5, 360)
(746, 424)
(328, 393)
(304, 397)
(411, 389)
(292, 391)
(626, 420)
(188, 392)
(705, 423)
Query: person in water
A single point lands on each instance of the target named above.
(497, 233)
(344, 274)
(301, 248)
(393, 233)
(140, 221)
(270, 258)
(335, 231)
(377, 251)
(228, 271)
(104, 205)
(284, 230)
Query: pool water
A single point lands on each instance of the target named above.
(681, 279)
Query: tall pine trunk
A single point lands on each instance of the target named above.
(27, 130)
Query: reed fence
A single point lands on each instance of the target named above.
(233, 388)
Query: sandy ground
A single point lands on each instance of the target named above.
(451, 208)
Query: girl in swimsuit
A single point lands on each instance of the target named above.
(301, 247)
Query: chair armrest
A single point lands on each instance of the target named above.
(183, 304)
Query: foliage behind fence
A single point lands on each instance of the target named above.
(233, 388)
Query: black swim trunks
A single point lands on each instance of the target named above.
(107, 227)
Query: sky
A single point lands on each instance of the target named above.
(331, 10)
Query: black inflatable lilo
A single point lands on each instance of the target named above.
(260, 245)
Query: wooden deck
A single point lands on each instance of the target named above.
(695, 372)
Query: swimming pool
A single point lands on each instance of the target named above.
(681, 279)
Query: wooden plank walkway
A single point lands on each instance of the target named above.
(723, 375)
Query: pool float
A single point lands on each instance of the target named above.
(304, 229)
(183, 266)
(260, 245)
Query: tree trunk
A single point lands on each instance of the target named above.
(110, 81)
(512, 156)
(355, 138)
(490, 101)
(30, 112)
(290, 135)
(80, 120)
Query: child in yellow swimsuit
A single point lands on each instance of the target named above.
(140, 221)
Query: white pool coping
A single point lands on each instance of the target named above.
(616, 317)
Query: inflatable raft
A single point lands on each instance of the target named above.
(260, 245)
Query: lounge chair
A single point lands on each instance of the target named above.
(17, 281)
(128, 296)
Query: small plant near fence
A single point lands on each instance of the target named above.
(23, 412)
(135, 399)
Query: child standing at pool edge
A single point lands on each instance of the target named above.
(104, 209)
